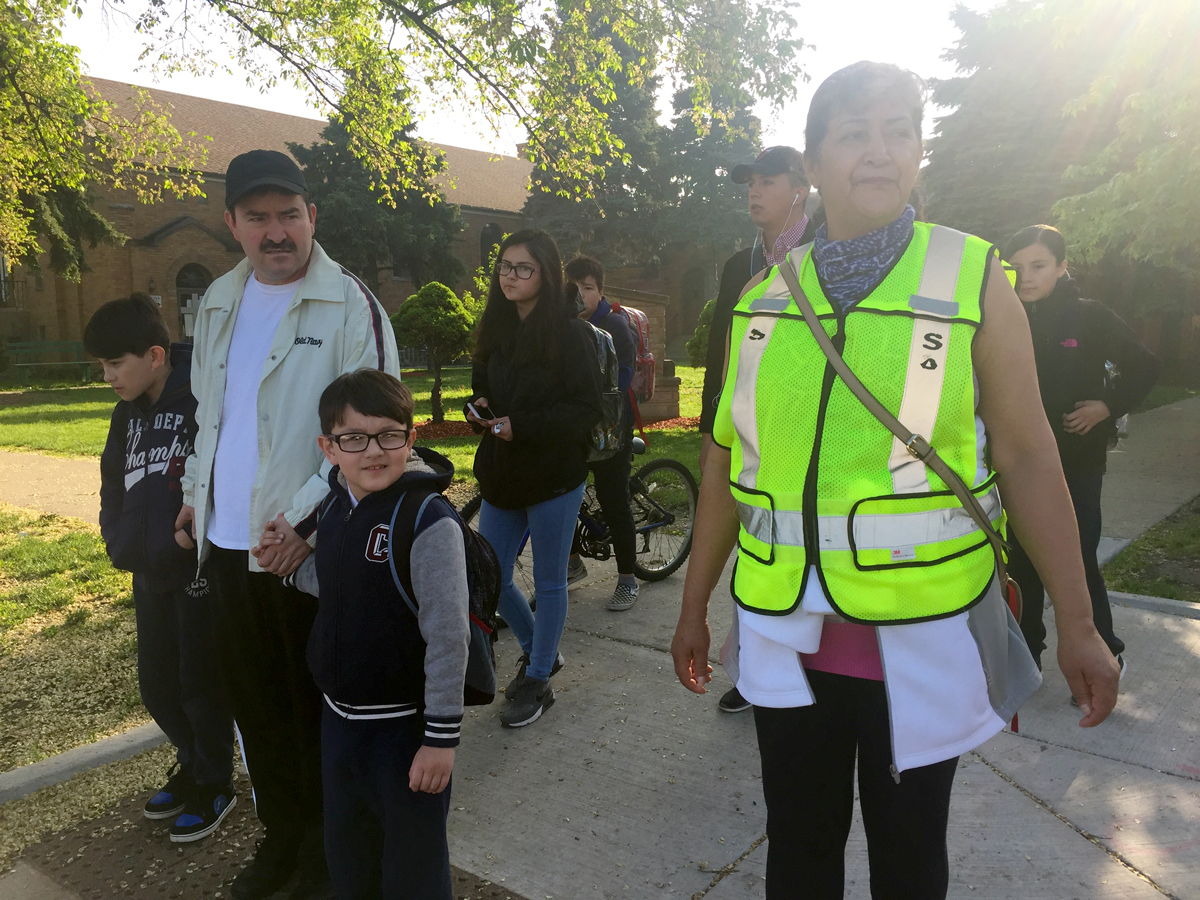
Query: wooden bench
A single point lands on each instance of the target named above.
(31, 356)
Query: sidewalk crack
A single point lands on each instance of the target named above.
(728, 869)
(1124, 762)
(1082, 832)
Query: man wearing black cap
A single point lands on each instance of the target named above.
(270, 335)
(778, 189)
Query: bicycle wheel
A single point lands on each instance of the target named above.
(662, 495)
(523, 567)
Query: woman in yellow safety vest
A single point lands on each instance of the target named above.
(870, 620)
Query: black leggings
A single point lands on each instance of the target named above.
(808, 755)
(1085, 495)
(611, 477)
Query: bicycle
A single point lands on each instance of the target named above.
(662, 496)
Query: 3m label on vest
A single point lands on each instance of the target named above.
(902, 554)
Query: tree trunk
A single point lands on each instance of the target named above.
(435, 394)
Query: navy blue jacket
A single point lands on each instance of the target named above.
(366, 650)
(140, 471)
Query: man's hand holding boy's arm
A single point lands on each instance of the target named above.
(431, 768)
(280, 550)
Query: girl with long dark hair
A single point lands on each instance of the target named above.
(1073, 339)
(535, 394)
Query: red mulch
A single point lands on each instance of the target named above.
(429, 431)
(677, 422)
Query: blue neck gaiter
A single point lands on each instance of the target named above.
(851, 269)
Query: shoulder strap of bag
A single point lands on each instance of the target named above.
(404, 595)
(916, 444)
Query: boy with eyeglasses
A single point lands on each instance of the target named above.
(150, 436)
(392, 681)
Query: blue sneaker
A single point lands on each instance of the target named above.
(170, 801)
(203, 814)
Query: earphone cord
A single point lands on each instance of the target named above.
(758, 238)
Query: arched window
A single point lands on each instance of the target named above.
(490, 237)
(190, 284)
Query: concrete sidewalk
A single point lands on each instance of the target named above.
(1151, 474)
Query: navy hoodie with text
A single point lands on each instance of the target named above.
(140, 471)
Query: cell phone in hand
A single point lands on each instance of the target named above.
(486, 414)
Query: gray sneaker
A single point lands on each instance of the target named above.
(576, 572)
(511, 690)
(623, 597)
(530, 700)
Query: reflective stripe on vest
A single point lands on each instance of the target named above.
(870, 532)
(892, 544)
(927, 356)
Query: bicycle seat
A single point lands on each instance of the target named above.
(639, 446)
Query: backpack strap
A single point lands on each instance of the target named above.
(409, 533)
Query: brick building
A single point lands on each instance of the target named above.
(177, 247)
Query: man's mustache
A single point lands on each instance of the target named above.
(285, 244)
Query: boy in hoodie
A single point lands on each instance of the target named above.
(393, 681)
(149, 439)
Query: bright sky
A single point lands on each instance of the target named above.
(912, 34)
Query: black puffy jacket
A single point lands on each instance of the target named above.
(552, 409)
(140, 471)
(1072, 339)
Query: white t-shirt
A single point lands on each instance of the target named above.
(236, 463)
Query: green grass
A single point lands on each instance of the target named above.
(1164, 395)
(68, 643)
(691, 387)
(66, 422)
(1163, 562)
(46, 565)
(74, 421)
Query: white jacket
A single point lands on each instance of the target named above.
(332, 325)
(951, 683)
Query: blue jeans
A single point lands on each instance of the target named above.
(551, 525)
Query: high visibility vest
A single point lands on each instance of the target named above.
(819, 482)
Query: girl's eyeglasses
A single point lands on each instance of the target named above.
(523, 271)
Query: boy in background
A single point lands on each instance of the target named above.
(611, 475)
(149, 439)
(392, 680)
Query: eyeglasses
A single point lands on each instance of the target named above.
(357, 442)
(524, 271)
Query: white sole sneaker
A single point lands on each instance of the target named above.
(207, 830)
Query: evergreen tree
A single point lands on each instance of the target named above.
(366, 230)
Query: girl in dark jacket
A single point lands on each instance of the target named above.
(535, 390)
(1073, 338)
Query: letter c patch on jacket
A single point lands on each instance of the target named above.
(377, 544)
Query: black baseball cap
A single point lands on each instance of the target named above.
(772, 161)
(259, 168)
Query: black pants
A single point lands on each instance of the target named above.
(180, 678)
(611, 477)
(263, 629)
(1085, 495)
(382, 840)
(808, 755)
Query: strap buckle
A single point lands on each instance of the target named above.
(918, 447)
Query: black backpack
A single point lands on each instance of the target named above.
(607, 435)
(483, 587)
